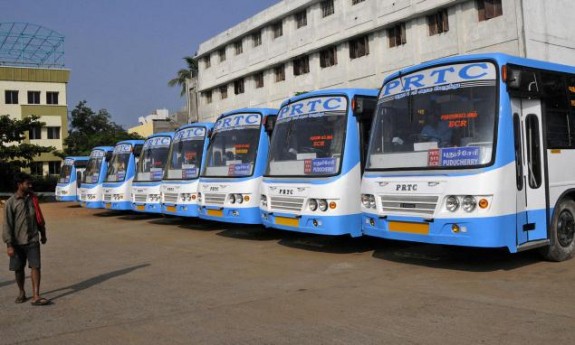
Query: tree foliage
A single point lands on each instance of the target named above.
(14, 154)
(12, 133)
(185, 74)
(88, 129)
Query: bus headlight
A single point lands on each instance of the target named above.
(199, 197)
(368, 200)
(312, 204)
(239, 198)
(232, 198)
(452, 203)
(322, 205)
(469, 203)
(264, 200)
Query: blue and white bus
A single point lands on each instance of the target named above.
(229, 189)
(146, 194)
(71, 169)
(121, 171)
(182, 171)
(316, 157)
(475, 150)
(90, 190)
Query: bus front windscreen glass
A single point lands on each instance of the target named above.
(118, 165)
(66, 171)
(186, 154)
(92, 173)
(308, 138)
(153, 159)
(234, 146)
(442, 117)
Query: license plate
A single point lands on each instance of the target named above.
(410, 228)
(216, 213)
(140, 207)
(108, 205)
(293, 222)
(171, 208)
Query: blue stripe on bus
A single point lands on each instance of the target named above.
(326, 225)
(250, 215)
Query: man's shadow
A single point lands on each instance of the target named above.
(93, 281)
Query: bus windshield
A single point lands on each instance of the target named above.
(153, 159)
(66, 171)
(92, 173)
(308, 138)
(441, 120)
(186, 154)
(118, 165)
(234, 146)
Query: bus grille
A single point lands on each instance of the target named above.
(107, 197)
(140, 197)
(412, 205)
(288, 204)
(215, 199)
(171, 197)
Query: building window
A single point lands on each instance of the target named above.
(239, 47)
(33, 97)
(488, 9)
(301, 19)
(208, 95)
(222, 54)
(328, 57)
(51, 97)
(11, 97)
(208, 61)
(54, 168)
(259, 79)
(224, 91)
(35, 133)
(53, 132)
(355, 2)
(257, 38)
(301, 65)
(37, 168)
(278, 29)
(438, 23)
(358, 47)
(327, 8)
(280, 73)
(239, 86)
(397, 35)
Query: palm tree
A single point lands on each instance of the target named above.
(185, 74)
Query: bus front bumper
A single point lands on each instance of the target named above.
(316, 224)
(186, 210)
(249, 215)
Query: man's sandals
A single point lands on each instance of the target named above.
(41, 301)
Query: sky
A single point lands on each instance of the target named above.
(122, 53)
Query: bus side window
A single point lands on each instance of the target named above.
(533, 151)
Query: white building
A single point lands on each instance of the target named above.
(303, 45)
(26, 91)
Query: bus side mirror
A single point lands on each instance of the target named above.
(78, 179)
(138, 150)
(363, 107)
(270, 123)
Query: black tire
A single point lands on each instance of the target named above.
(562, 236)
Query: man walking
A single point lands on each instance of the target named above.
(23, 230)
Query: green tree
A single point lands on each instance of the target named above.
(14, 154)
(185, 74)
(89, 129)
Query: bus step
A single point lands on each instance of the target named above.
(531, 245)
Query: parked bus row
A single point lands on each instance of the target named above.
(473, 150)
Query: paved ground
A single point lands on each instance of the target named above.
(136, 279)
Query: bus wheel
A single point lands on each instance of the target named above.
(562, 235)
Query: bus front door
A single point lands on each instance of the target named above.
(531, 200)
